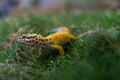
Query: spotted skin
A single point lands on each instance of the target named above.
(55, 40)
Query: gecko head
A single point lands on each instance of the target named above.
(28, 39)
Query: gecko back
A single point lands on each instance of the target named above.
(61, 36)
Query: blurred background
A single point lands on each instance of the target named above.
(95, 55)
(22, 7)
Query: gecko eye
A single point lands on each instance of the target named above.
(23, 36)
(19, 38)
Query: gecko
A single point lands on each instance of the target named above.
(54, 40)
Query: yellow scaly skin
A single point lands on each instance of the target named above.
(55, 40)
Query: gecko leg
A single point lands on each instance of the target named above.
(58, 48)
(40, 51)
(73, 38)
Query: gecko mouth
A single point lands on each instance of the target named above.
(21, 41)
(24, 42)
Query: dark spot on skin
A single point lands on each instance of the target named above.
(36, 39)
(23, 36)
(46, 39)
(32, 41)
(36, 42)
(43, 44)
(27, 41)
(40, 43)
(50, 42)
(65, 36)
(39, 36)
(28, 37)
(39, 39)
(19, 38)
(49, 38)
(42, 39)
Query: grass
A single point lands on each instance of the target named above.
(93, 57)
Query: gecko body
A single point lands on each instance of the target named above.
(55, 40)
